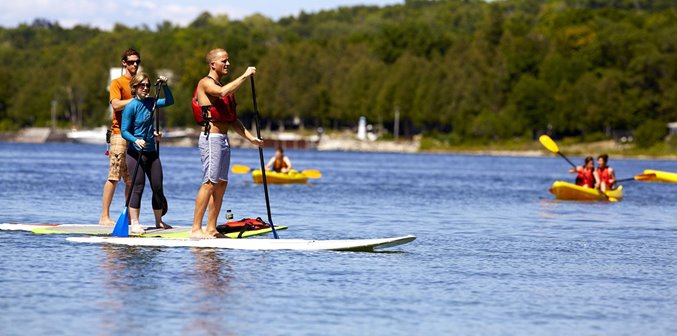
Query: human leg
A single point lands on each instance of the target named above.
(117, 169)
(221, 148)
(106, 200)
(138, 185)
(135, 227)
(210, 155)
(201, 202)
(215, 202)
(155, 177)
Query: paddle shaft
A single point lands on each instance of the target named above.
(263, 166)
(565, 158)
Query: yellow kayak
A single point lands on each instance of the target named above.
(272, 177)
(569, 191)
(662, 176)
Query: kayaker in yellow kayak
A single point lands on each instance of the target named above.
(279, 163)
(606, 177)
(586, 173)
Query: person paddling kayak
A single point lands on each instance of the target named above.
(280, 162)
(606, 177)
(586, 173)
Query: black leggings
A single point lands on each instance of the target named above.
(150, 166)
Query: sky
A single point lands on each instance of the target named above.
(105, 14)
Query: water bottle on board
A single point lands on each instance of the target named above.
(229, 216)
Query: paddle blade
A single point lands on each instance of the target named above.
(312, 173)
(548, 143)
(240, 169)
(121, 228)
(645, 177)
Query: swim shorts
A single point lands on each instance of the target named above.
(118, 159)
(215, 156)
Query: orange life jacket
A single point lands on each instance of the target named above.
(585, 177)
(278, 165)
(604, 175)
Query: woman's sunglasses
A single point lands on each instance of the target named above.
(146, 85)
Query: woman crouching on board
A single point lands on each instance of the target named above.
(137, 122)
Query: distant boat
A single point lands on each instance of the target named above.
(95, 136)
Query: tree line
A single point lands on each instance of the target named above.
(458, 70)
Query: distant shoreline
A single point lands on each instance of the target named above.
(347, 141)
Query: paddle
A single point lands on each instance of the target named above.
(548, 143)
(263, 167)
(121, 228)
(640, 177)
(310, 173)
(165, 206)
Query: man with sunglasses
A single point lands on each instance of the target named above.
(214, 107)
(120, 96)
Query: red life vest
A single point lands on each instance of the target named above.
(245, 224)
(585, 177)
(222, 111)
(604, 176)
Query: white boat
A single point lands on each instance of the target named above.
(96, 136)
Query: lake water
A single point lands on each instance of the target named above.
(495, 254)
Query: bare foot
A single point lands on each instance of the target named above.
(106, 221)
(137, 229)
(210, 235)
(163, 225)
(196, 234)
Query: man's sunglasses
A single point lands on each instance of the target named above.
(135, 62)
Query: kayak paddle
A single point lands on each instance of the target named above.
(310, 173)
(641, 177)
(121, 228)
(662, 176)
(263, 166)
(550, 144)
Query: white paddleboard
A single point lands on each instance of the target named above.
(254, 244)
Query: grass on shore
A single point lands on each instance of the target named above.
(568, 146)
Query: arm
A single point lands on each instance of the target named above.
(575, 170)
(288, 162)
(115, 97)
(243, 132)
(119, 104)
(270, 163)
(221, 91)
(612, 176)
(168, 100)
(127, 126)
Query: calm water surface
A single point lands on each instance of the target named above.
(495, 254)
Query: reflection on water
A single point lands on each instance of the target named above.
(136, 277)
(211, 279)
